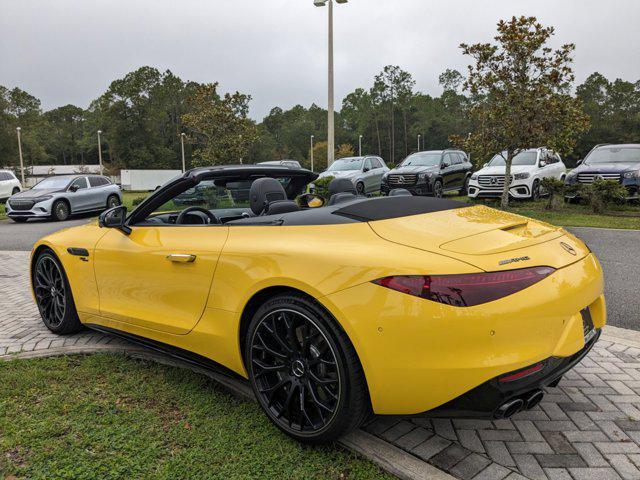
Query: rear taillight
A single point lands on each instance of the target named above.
(467, 289)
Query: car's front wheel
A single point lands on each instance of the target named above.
(304, 371)
(438, 189)
(60, 210)
(535, 190)
(53, 295)
(360, 188)
(113, 201)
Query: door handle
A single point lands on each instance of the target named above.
(181, 257)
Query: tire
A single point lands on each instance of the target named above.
(535, 190)
(19, 219)
(465, 186)
(113, 201)
(60, 210)
(360, 188)
(15, 190)
(437, 189)
(53, 295)
(313, 390)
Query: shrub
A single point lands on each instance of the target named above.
(322, 186)
(604, 193)
(137, 201)
(555, 189)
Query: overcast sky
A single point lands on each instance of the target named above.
(68, 51)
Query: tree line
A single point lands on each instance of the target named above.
(143, 114)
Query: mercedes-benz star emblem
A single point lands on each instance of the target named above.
(568, 248)
(400, 179)
(494, 180)
(297, 368)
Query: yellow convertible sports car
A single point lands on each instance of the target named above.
(333, 308)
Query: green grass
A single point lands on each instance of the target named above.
(106, 416)
(571, 214)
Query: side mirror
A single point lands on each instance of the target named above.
(445, 165)
(543, 163)
(74, 188)
(311, 200)
(365, 169)
(579, 162)
(114, 218)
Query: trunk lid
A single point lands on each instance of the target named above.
(484, 237)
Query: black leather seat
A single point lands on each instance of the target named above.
(267, 197)
(399, 192)
(341, 190)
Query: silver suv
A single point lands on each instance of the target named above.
(59, 197)
(364, 172)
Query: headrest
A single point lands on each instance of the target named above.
(399, 192)
(264, 191)
(341, 185)
(281, 206)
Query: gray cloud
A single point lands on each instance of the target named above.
(67, 51)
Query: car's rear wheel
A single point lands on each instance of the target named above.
(53, 295)
(60, 210)
(113, 201)
(15, 190)
(437, 189)
(465, 186)
(304, 370)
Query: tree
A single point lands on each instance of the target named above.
(218, 126)
(520, 94)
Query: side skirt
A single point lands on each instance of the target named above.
(175, 352)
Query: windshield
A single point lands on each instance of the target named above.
(52, 182)
(614, 155)
(523, 158)
(423, 159)
(345, 164)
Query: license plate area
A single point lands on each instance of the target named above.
(587, 324)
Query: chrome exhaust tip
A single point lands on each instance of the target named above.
(534, 399)
(509, 408)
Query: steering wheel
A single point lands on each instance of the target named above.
(212, 218)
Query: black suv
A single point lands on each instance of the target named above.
(430, 173)
(620, 163)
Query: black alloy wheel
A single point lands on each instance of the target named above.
(465, 186)
(53, 295)
(304, 371)
(437, 189)
(60, 210)
(113, 201)
(360, 188)
(535, 190)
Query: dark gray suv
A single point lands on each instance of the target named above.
(58, 197)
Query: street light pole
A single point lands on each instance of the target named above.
(312, 153)
(182, 149)
(100, 151)
(360, 146)
(21, 160)
(330, 103)
(418, 142)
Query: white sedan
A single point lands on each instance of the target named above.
(528, 168)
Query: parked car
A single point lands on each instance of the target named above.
(528, 168)
(383, 305)
(9, 184)
(432, 172)
(58, 197)
(283, 163)
(620, 163)
(364, 172)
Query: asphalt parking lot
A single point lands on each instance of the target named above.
(618, 251)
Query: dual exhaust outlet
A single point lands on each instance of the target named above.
(526, 402)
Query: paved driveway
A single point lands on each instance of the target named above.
(22, 236)
(587, 428)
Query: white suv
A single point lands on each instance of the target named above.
(9, 184)
(528, 168)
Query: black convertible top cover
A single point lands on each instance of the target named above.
(394, 207)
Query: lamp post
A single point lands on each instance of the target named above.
(100, 151)
(18, 129)
(182, 150)
(312, 153)
(360, 145)
(330, 105)
(418, 142)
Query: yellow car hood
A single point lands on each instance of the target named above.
(485, 237)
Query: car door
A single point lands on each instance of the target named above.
(4, 185)
(98, 192)
(79, 195)
(368, 175)
(448, 171)
(376, 173)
